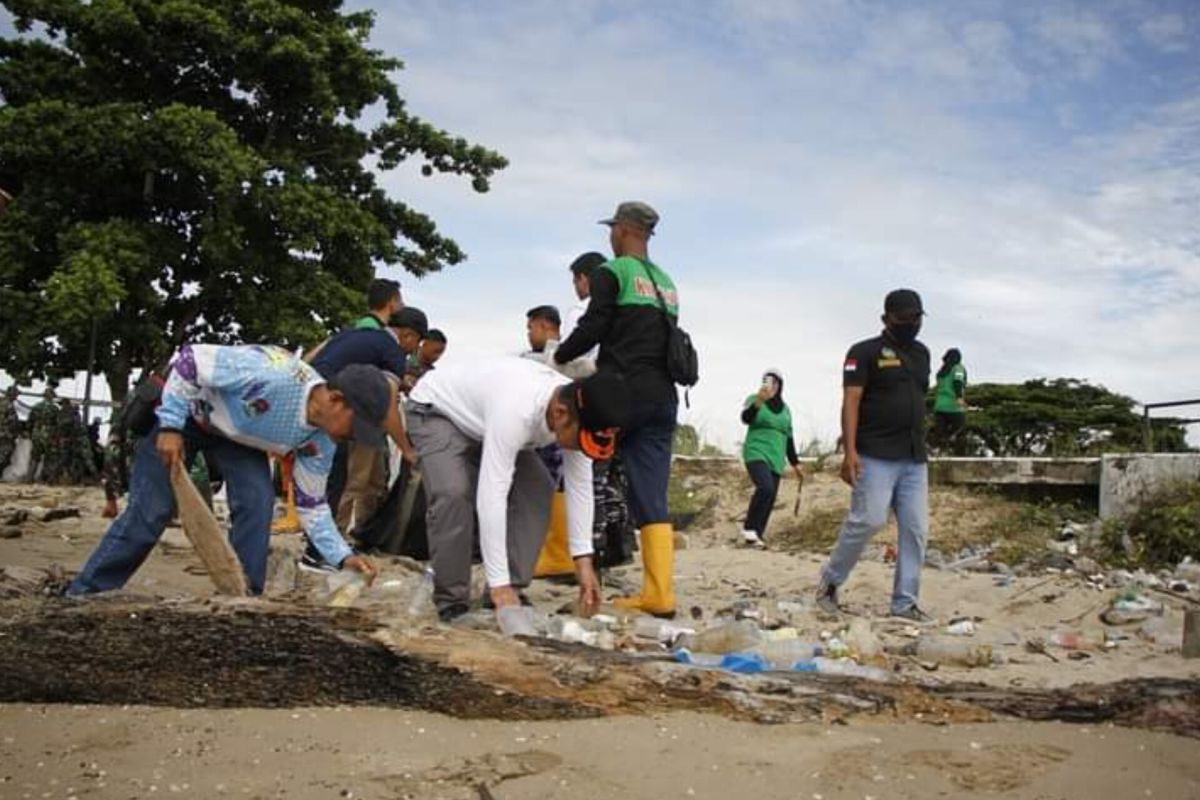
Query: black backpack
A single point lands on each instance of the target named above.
(683, 363)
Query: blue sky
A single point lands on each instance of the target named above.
(1033, 169)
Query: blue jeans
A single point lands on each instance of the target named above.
(766, 489)
(899, 485)
(646, 455)
(133, 535)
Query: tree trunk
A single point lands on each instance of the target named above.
(229, 653)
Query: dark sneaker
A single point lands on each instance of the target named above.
(452, 612)
(827, 599)
(915, 615)
(312, 561)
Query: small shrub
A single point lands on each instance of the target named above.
(1164, 529)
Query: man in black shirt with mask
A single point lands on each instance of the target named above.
(885, 380)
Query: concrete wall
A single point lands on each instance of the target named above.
(1016, 470)
(1126, 479)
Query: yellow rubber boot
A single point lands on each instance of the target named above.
(290, 521)
(658, 568)
(555, 558)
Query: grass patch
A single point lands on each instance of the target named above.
(1164, 530)
(817, 531)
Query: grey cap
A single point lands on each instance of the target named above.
(366, 391)
(636, 212)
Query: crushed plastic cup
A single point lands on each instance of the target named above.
(786, 653)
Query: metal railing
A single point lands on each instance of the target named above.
(1148, 428)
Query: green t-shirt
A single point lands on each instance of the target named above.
(369, 323)
(946, 399)
(768, 436)
(635, 289)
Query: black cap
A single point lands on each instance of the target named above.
(584, 264)
(900, 301)
(602, 401)
(549, 313)
(366, 392)
(410, 317)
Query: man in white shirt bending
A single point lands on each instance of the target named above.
(475, 426)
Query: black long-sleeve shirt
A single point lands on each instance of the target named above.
(632, 338)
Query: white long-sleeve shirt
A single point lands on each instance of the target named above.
(501, 402)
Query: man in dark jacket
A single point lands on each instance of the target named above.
(629, 297)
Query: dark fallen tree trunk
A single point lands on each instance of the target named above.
(230, 652)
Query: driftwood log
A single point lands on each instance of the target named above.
(237, 652)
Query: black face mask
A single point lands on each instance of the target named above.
(905, 333)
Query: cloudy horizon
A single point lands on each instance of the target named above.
(1033, 171)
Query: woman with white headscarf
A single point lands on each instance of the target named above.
(768, 445)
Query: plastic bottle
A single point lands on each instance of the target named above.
(732, 637)
(420, 602)
(785, 653)
(660, 630)
(945, 650)
(344, 587)
(846, 667)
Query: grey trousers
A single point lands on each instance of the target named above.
(449, 462)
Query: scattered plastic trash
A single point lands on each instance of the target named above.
(962, 627)
(731, 637)
(1129, 607)
(945, 650)
(861, 640)
(344, 587)
(846, 667)
(580, 631)
(659, 630)
(1071, 640)
(786, 653)
(516, 621)
(420, 602)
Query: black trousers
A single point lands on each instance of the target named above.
(766, 488)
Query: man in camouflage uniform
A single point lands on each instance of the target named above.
(71, 453)
(43, 419)
(114, 475)
(612, 531)
(10, 426)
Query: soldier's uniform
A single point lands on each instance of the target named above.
(10, 427)
(71, 455)
(43, 419)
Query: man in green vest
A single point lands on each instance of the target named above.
(630, 297)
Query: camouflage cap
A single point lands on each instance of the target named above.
(635, 212)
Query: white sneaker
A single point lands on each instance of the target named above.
(751, 539)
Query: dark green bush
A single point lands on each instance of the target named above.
(1161, 532)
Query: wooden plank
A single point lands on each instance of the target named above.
(207, 537)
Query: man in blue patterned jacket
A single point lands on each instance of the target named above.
(238, 404)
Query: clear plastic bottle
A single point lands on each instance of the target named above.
(785, 653)
(846, 667)
(420, 602)
(732, 637)
(344, 587)
(954, 650)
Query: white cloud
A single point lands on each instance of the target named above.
(1167, 32)
(805, 163)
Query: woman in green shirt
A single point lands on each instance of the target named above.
(768, 443)
(950, 402)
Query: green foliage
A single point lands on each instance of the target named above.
(1060, 417)
(689, 442)
(195, 169)
(1164, 529)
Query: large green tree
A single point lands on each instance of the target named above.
(200, 169)
(1060, 417)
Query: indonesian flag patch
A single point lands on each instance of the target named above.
(851, 365)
